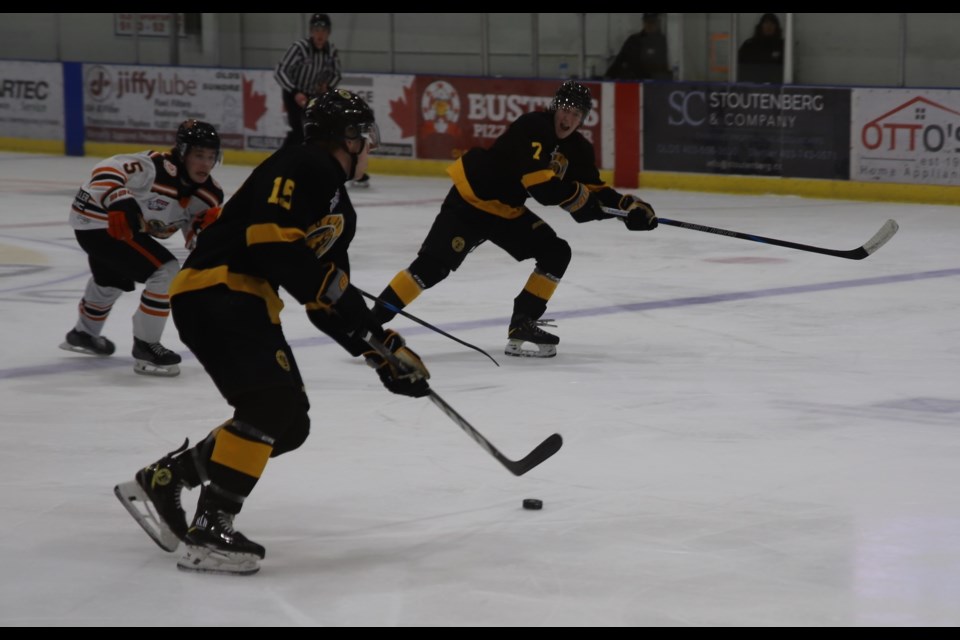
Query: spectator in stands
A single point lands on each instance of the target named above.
(760, 58)
(643, 55)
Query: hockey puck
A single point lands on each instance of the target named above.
(532, 503)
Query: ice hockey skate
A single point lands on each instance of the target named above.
(153, 499)
(154, 359)
(526, 330)
(82, 342)
(214, 546)
(363, 182)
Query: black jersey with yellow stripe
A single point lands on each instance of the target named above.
(527, 160)
(283, 228)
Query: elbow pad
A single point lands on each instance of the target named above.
(335, 282)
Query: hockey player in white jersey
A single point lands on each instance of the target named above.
(129, 201)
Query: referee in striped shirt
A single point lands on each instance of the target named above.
(308, 68)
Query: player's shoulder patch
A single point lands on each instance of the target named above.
(322, 235)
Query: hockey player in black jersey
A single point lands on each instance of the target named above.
(540, 155)
(128, 202)
(288, 226)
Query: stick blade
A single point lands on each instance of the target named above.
(881, 237)
(517, 467)
(543, 451)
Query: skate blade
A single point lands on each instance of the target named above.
(145, 368)
(207, 560)
(135, 501)
(515, 348)
(66, 346)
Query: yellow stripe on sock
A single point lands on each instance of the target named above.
(540, 285)
(405, 287)
(240, 454)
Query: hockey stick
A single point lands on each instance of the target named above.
(517, 467)
(879, 239)
(426, 324)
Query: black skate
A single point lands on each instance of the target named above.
(153, 499)
(154, 359)
(82, 342)
(526, 329)
(363, 182)
(214, 546)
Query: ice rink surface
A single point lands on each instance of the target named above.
(753, 435)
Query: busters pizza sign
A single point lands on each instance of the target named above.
(456, 114)
(906, 136)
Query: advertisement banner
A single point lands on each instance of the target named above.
(454, 114)
(799, 132)
(265, 120)
(392, 100)
(906, 135)
(145, 105)
(31, 100)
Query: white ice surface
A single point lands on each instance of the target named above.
(753, 435)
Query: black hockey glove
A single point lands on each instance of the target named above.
(640, 215)
(407, 376)
(584, 205)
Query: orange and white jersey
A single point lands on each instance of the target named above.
(153, 180)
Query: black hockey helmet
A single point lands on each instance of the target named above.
(572, 95)
(194, 133)
(320, 21)
(337, 116)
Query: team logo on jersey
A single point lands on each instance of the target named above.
(559, 163)
(322, 235)
(458, 244)
(170, 168)
(282, 360)
(160, 229)
(440, 107)
(156, 204)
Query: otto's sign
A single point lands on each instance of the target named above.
(909, 136)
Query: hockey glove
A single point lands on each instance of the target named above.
(118, 225)
(200, 222)
(640, 215)
(407, 375)
(584, 205)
